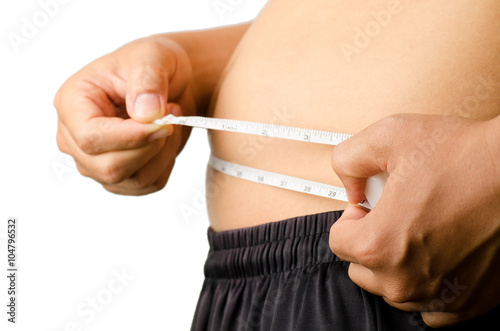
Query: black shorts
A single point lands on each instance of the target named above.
(283, 276)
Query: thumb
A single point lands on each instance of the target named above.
(147, 92)
(361, 156)
(156, 70)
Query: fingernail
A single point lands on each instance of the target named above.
(162, 133)
(148, 106)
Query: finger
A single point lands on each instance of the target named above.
(105, 134)
(66, 145)
(359, 157)
(62, 137)
(365, 278)
(407, 306)
(150, 68)
(94, 132)
(157, 185)
(350, 233)
(442, 319)
(149, 174)
(159, 71)
(112, 134)
(113, 167)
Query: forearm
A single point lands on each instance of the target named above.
(208, 51)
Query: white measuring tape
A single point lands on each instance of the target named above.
(374, 185)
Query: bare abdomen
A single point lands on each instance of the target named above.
(341, 66)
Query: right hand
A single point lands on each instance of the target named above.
(105, 112)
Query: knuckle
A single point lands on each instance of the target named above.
(339, 159)
(151, 46)
(158, 184)
(82, 170)
(386, 136)
(368, 254)
(373, 251)
(61, 142)
(389, 126)
(400, 292)
(86, 145)
(145, 180)
(110, 172)
(131, 142)
(393, 121)
(333, 242)
(89, 142)
(140, 139)
(141, 181)
(57, 101)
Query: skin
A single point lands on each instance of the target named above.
(99, 124)
(448, 234)
(288, 67)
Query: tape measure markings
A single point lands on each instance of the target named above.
(256, 128)
(278, 180)
(267, 130)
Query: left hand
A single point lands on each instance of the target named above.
(432, 243)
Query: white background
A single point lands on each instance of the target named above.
(74, 237)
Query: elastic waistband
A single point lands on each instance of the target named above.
(276, 247)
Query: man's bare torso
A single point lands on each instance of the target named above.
(340, 66)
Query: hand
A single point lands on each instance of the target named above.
(431, 244)
(106, 108)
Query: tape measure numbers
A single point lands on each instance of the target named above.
(374, 185)
(255, 128)
(278, 180)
